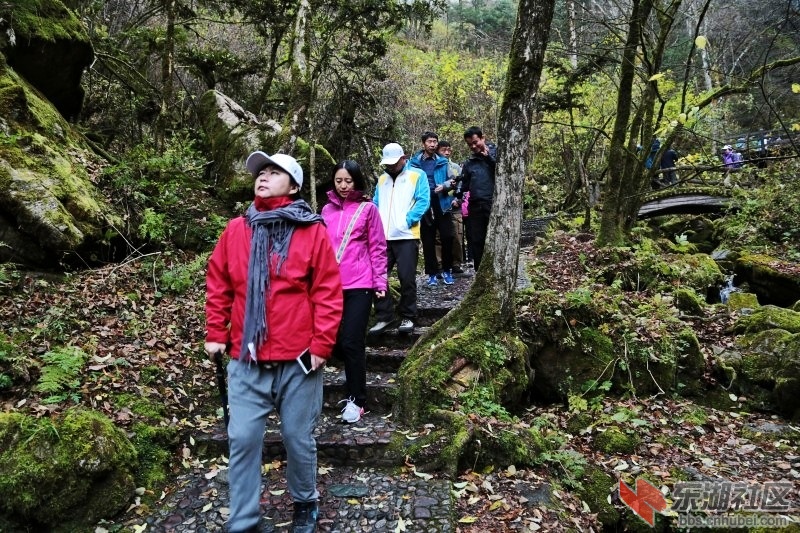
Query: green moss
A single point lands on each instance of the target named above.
(579, 422)
(62, 473)
(688, 301)
(763, 355)
(140, 405)
(48, 20)
(768, 317)
(41, 171)
(696, 416)
(742, 300)
(613, 440)
(154, 447)
(596, 487)
(459, 352)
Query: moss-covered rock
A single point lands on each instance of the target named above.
(50, 49)
(595, 489)
(767, 278)
(688, 301)
(613, 440)
(768, 317)
(65, 474)
(742, 300)
(48, 205)
(234, 133)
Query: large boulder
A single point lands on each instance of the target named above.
(773, 280)
(234, 132)
(63, 474)
(49, 207)
(765, 368)
(45, 43)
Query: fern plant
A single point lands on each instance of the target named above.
(60, 374)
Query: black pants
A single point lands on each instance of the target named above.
(433, 221)
(351, 344)
(478, 225)
(404, 254)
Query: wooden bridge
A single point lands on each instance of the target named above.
(678, 200)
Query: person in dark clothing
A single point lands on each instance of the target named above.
(477, 178)
(668, 161)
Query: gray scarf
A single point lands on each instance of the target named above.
(272, 233)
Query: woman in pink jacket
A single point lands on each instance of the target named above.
(356, 233)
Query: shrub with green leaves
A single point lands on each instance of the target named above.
(178, 278)
(767, 214)
(151, 182)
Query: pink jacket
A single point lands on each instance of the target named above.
(363, 263)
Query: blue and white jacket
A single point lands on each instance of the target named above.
(441, 174)
(402, 202)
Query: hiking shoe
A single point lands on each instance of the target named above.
(351, 413)
(447, 277)
(457, 269)
(406, 326)
(378, 327)
(432, 281)
(305, 517)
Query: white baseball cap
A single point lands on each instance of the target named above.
(258, 160)
(727, 147)
(392, 153)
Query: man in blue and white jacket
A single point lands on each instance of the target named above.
(402, 197)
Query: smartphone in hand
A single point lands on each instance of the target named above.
(304, 360)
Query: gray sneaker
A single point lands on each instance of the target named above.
(378, 328)
(406, 326)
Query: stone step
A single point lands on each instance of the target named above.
(392, 338)
(338, 443)
(380, 390)
(382, 358)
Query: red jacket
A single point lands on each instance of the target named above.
(304, 304)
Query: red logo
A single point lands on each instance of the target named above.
(645, 501)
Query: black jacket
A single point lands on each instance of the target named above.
(477, 176)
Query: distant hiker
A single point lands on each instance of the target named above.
(438, 218)
(654, 147)
(273, 293)
(444, 149)
(668, 161)
(356, 232)
(477, 178)
(402, 197)
(731, 158)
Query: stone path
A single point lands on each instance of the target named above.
(361, 490)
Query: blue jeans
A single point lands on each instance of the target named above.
(254, 391)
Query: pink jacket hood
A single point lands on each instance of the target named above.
(363, 263)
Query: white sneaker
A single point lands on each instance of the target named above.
(406, 326)
(378, 327)
(351, 413)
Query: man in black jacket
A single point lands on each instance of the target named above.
(477, 178)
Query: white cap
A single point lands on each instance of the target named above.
(727, 147)
(392, 153)
(258, 160)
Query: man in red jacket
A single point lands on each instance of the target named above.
(273, 292)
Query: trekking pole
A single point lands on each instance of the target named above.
(222, 386)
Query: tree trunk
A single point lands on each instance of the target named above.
(167, 68)
(612, 223)
(475, 349)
